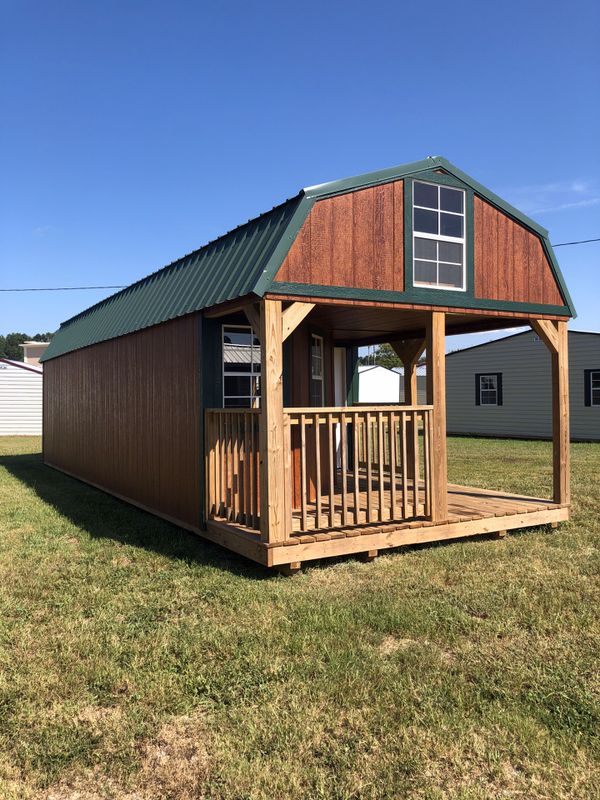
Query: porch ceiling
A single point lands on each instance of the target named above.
(375, 324)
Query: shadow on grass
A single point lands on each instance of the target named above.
(103, 516)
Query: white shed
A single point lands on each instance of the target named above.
(377, 384)
(20, 399)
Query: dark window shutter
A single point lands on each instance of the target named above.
(499, 385)
(477, 396)
(587, 386)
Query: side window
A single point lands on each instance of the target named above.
(488, 389)
(592, 387)
(241, 367)
(316, 370)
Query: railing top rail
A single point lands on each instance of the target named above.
(233, 410)
(355, 409)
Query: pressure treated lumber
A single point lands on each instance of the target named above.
(272, 459)
(436, 396)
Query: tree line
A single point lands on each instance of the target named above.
(9, 343)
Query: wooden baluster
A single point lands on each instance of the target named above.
(381, 454)
(392, 431)
(235, 477)
(303, 475)
(427, 457)
(247, 507)
(331, 459)
(255, 473)
(318, 468)
(344, 462)
(416, 473)
(355, 427)
(370, 454)
(287, 477)
(210, 462)
(404, 468)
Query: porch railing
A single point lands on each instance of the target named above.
(343, 466)
(233, 465)
(356, 466)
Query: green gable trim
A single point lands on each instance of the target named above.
(427, 297)
(245, 261)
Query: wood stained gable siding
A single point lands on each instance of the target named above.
(510, 263)
(124, 414)
(357, 240)
(354, 239)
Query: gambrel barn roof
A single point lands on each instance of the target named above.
(246, 262)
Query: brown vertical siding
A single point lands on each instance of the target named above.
(124, 415)
(510, 263)
(354, 239)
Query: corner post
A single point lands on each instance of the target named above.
(555, 336)
(560, 417)
(436, 397)
(272, 461)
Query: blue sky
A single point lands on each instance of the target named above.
(133, 132)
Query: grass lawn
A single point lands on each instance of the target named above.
(138, 662)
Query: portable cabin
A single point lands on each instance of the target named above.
(220, 391)
(504, 387)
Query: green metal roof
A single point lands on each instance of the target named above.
(241, 262)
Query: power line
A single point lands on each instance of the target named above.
(80, 288)
(60, 288)
(581, 241)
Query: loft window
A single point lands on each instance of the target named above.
(316, 370)
(438, 236)
(488, 389)
(592, 388)
(241, 367)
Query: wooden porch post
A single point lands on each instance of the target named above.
(556, 338)
(436, 396)
(272, 437)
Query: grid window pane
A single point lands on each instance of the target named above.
(451, 200)
(450, 275)
(425, 221)
(241, 367)
(451, 252)
(425, 194)
(236, 385)
(427, 249)
(595, 388)
(489, 398)
(426, 272)
(237, 402)
(451, 225)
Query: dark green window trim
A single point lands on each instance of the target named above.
(423, 294)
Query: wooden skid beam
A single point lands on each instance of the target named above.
(412, 534)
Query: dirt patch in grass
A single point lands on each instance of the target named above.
(173, 765)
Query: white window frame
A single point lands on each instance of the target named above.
(317, 376)
(495, 389)
(437, 237)
(594, 375)
(253, 397)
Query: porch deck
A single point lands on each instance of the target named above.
(472, 511)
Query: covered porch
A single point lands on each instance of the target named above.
(285, 484)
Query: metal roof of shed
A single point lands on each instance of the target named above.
(242, 262)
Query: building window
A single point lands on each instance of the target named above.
(488, 389)
(241, 367)
(592, 387)
(438, 236)
(316, 370)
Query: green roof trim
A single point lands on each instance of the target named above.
(244, 262)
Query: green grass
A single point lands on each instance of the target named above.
(139, 662)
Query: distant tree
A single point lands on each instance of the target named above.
(9, 344)
(384, 355)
